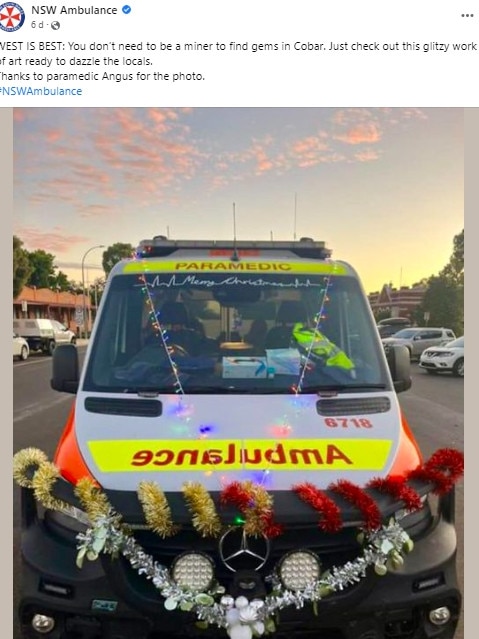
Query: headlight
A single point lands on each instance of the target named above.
(298, 569)
(194, 571)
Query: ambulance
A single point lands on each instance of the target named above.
(207, 485)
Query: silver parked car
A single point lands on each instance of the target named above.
(418, 339)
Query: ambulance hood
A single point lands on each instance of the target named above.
(274, 440)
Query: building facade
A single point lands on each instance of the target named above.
(393, 302)
(63, 306)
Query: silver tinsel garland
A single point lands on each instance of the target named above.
(383, 549)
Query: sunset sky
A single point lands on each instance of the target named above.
(383, 187)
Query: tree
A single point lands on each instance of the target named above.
(96, 291)
(114, 254)
(43, 269)
(444, 297)
(61, 282)
(454, 269)
(21, 266)
(443, 301)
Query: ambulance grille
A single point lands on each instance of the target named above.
(359, 406)
(126, 407)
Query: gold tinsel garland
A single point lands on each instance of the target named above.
(261, 507)
(26, 461)
(205, 518)
(157, 512)
(42, 484)
(156, 509)
(93, 500)
(31, 469)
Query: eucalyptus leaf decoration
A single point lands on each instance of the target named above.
(383, 550)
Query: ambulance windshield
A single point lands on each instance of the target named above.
(241, 333)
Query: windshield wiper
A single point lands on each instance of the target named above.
(224, 390)
(209, 390)
(143, 391)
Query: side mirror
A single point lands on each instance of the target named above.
(399, 363)
(65, 369)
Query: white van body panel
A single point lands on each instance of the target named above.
(216, 428)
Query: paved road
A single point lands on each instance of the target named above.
(434, 408)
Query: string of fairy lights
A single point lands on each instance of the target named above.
(154, 317)
(281, 431)
(318, 319)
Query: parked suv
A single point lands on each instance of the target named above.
(391, 325)
(418, 339)
(445, 359)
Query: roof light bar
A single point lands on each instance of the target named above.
(160, 245)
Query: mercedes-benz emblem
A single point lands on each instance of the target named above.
(238, 551)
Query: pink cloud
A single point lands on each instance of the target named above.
(358, 126)
(55, 241)
(367, 155)
(95, 210)
(351, 116)
(367, 132)
(18, 114)
(126, 155)
(309, 151)
(263, 165)
(53, 135)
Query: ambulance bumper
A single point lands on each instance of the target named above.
(103, 600)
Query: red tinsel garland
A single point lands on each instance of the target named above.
(397, 487)
(271, 528)
(331, 521)
(364, 502)
(243, 497)
(443, 469)
(236, 494)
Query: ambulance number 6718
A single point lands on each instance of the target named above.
(346, 422)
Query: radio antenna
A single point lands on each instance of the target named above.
(295, 208)
(235, 256)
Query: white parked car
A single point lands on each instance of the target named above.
(448, 358)
(63, 335)
(20, 347)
